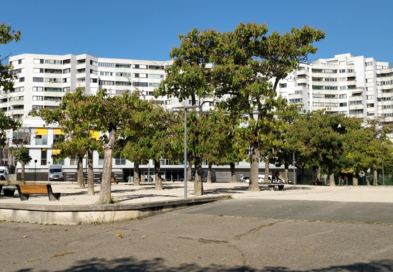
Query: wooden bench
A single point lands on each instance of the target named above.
(26, 190)
(314, 181)
(280, 187)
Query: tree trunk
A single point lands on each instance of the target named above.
(90, 181)
(136, 174)
(209, 174)
(375, 177)
(105, 192)
(158, 179)
(80, 181)
(267, 170)
(22, 174)
(143, 178)
(286, 174)
(233, 172)
(319, 173)
(331, 179)
(366, 178)
(254, 171)
(189, 171)
(198, 185)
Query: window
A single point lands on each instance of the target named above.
(150, 93)
(331, 87)
(67, 61)
(140, 84)
(66, 89)
(119, 83)
(18, 107)
(66, 80)
(93, 80)
(154, 84)
(167, 102)
(382, 99)
(92, 62)
(106, 82)
(156, 76)
(21, 79)
(342, 79)
(38, 79)
(211, 104)
(318, 104)
(66, 71)
(343, 87)
(350, 70)
(119, 160)
(357, 102)
(140, 75)
(38, 98)
(370, 97)
(318, 95)
(123, 66)
(105, 64)
(330, 71)
(120, 91)
(356, 112)
(369, 63)
(16, 98)
(106, 74)
(53, 61)
(100, 160)
(296, 100)
(38, 70)
(139, 66)
(283, 85)
(54, 99)
(156, 67)
(58, 90)
(21, 61)
(370, 113)
(330, 96)
(38, 61)
(38, 89)
(123, 74)
(74, 161)
(38, 107)
(21, 135)
(19, 89)
(331, 79)
(342, 71)
(344, 104)
(43, 156)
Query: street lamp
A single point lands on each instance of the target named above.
(294, 169)
(35, 170)
(383, 173)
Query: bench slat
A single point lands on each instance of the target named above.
(33, 189)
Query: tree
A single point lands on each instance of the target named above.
(252, 65)
(189, 78)
(325, 137)
(6, 123)
(74, 118)
(22, 156)
(149, 138)
(7, 35)
(111, 116)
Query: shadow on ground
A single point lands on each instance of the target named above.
(242, 189)
(158, 264)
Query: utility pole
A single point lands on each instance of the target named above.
(294, 169)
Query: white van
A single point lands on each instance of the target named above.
(4, 173)
(56, 172)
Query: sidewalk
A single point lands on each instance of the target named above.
(124, 193)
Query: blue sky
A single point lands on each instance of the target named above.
(149, 29)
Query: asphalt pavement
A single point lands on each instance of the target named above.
(234, 236)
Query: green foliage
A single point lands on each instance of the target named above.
(6, 123)
(7, 35)
(21, 154)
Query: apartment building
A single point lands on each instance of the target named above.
(357, 86)
(44, 79)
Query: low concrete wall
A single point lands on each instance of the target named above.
(94, 214)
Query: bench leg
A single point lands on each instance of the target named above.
(54, 196)
(24, 197)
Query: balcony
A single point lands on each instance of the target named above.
(302, 80)
(356, 107)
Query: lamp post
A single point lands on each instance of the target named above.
(148, 171)
(383, 173)
(35, 170)
(294, 169)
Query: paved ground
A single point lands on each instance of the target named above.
(184, 241)
(127, 194)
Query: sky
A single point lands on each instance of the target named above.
(149, 29)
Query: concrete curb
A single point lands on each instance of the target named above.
(108, 213)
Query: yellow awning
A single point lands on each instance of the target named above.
(41, 131)
(57, 131)
(95, 134)
(56, 151)
(43, 149)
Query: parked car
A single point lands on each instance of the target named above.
(3, 173)
(244, 179)
(56, 172)
(261, 178)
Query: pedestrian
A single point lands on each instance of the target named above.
(345, 180)
(272, 176)
(340, 180)
(277, 176)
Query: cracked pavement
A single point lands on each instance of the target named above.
(189, 240)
